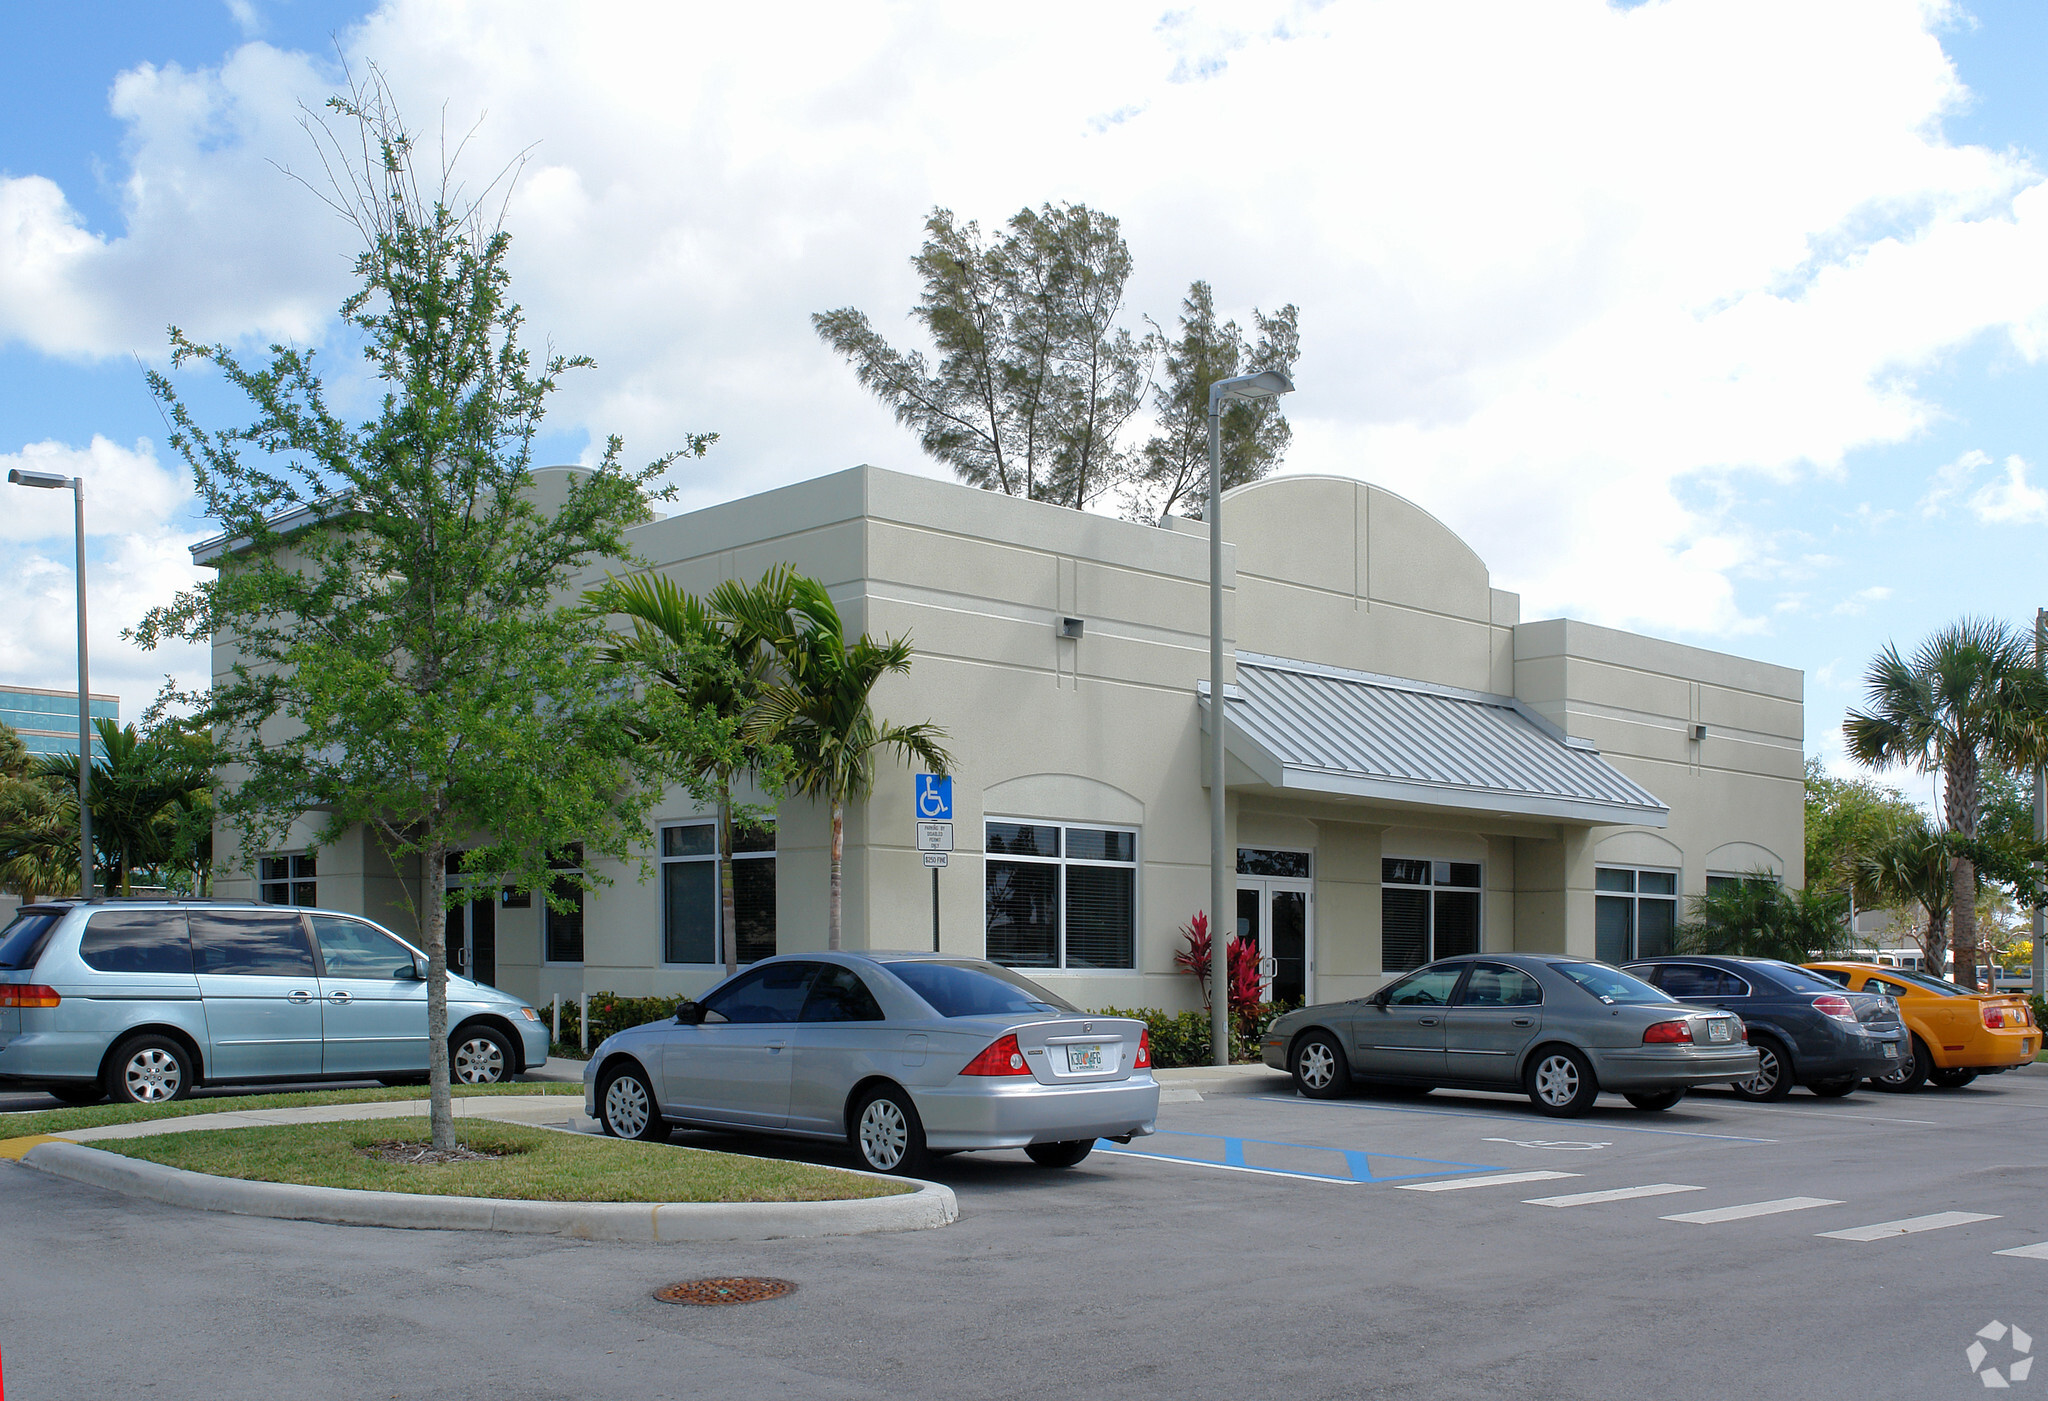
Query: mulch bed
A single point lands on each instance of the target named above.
(397, 1150)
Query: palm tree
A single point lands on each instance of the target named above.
(713, 661)
(140, 785)
(821, 710)
(1912, 867)
(38, 840)
(1756, 917)
(1970, 695)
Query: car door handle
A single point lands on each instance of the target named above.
(774, 1046)
(298, 995)
(1525, 1021)
(340, 996)
(1425, 1021)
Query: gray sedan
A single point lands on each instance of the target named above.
(901, 1055)
(1560, 1029)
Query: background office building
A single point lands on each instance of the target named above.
(1414, 770)
(47, 721)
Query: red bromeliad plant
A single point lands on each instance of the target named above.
(1246, 987)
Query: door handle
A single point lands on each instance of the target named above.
(774, 1046)
(298, 995)
(340, 995)
(1525, 1021)
(1425, 1021)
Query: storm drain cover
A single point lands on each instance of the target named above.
(733, 1289)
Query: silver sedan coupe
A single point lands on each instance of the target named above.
(900, 1055)
(1559, 1029)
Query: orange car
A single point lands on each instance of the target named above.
(1957, 1034)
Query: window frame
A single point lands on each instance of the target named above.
(570, 864)
(1429, 949)
(1635, 896)
(719, 933)
(293, 880)
(1060, 863)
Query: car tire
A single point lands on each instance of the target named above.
(1320, 1069)
(1773, 1078)
(149, 1069)
(1060, 1155)
(887, 1135)
(1560, 1082)
(1835, 1089)
(626, 1106)
(1911, 1074)
(479, 1055)
(1950, 1079)
(1662, 1099)
(79, 1094)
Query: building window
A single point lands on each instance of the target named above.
(1723, 882)
(289, 879)
(562, 936)
(1061, 897)
(1428, 910)
(690, 903)
(1635, 913)
(1261, 861)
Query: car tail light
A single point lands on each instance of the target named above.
(1742, 1030)
(1144, 1060)
(28, 995)
(1666, 1033)
(1004, 1057)
(1830, 1004)
(1994, 1016)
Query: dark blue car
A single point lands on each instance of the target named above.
(1804, 1029)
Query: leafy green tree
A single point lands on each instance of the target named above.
(38, 826)
(394, 590)
(1034, 381)
(1173, 466)
(713, 661)
(821, 710)
(1846, 817)
(1970, 696)
(1758, 918)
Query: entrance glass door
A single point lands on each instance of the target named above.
(1276, 915)
(473, 941)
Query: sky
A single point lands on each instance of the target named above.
(1719, 320)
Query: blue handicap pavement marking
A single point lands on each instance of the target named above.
(1214, 1150)
(934, 798)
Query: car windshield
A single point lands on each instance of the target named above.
(1610, 984)
(1792, 977)
(21, 943)
(1926, 982)
(975, 989)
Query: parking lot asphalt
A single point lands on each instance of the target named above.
(1261, 1245)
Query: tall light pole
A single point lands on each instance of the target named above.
(2040, 817)
(1222, 865)
(50, 481)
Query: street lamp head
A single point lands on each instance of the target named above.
(1263, 385)
(50, 480)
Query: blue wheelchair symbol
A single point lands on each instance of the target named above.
(934, 798)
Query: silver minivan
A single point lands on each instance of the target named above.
(141, 1000)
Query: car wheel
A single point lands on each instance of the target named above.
(626, 1108)
(479, 1055)
(1662, 1099)
(78, 1094)
(1560, 1082)
(887, 1134)
(1835, 1089)
(1773, 1078)
(1320, 1070)
(1060, 1155)
(1950, 1079)
(149, 1070)
(1911, 1073)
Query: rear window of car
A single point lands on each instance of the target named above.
(1791, 977)
(1926, 982)
(21, 943)
(137, 941)
(1610, 984)
(975, 989)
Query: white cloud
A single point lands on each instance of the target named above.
(1859, 602)
(2011, 501)
(1559, 263)
(1949, 481)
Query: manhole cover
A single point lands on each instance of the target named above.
(737, 1289)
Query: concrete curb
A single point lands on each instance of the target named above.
(1208, 1080)
(932, 1204)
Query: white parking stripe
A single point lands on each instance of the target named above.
(1497, 1179)
(1883, 1229)
(1743, 1213)
(2027, 1252)
(1617, 1194)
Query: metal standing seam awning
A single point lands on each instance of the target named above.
(1306, 728)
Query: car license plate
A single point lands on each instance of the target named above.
(1718, 1030)
(1891, 1052)
(1084, 1058)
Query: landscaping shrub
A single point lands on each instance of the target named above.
(1182, 1038)
(609, 1012)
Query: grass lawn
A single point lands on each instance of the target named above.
(94, 1116)
(541, 1165)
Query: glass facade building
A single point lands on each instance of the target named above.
(47, 721)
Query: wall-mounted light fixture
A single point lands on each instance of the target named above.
(1070, 627)
(1699, 731)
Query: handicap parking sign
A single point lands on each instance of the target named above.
(934, 798)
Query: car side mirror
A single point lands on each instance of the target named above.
(413, 972)
(689, 1013)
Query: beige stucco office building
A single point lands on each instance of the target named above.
(1414, 770)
